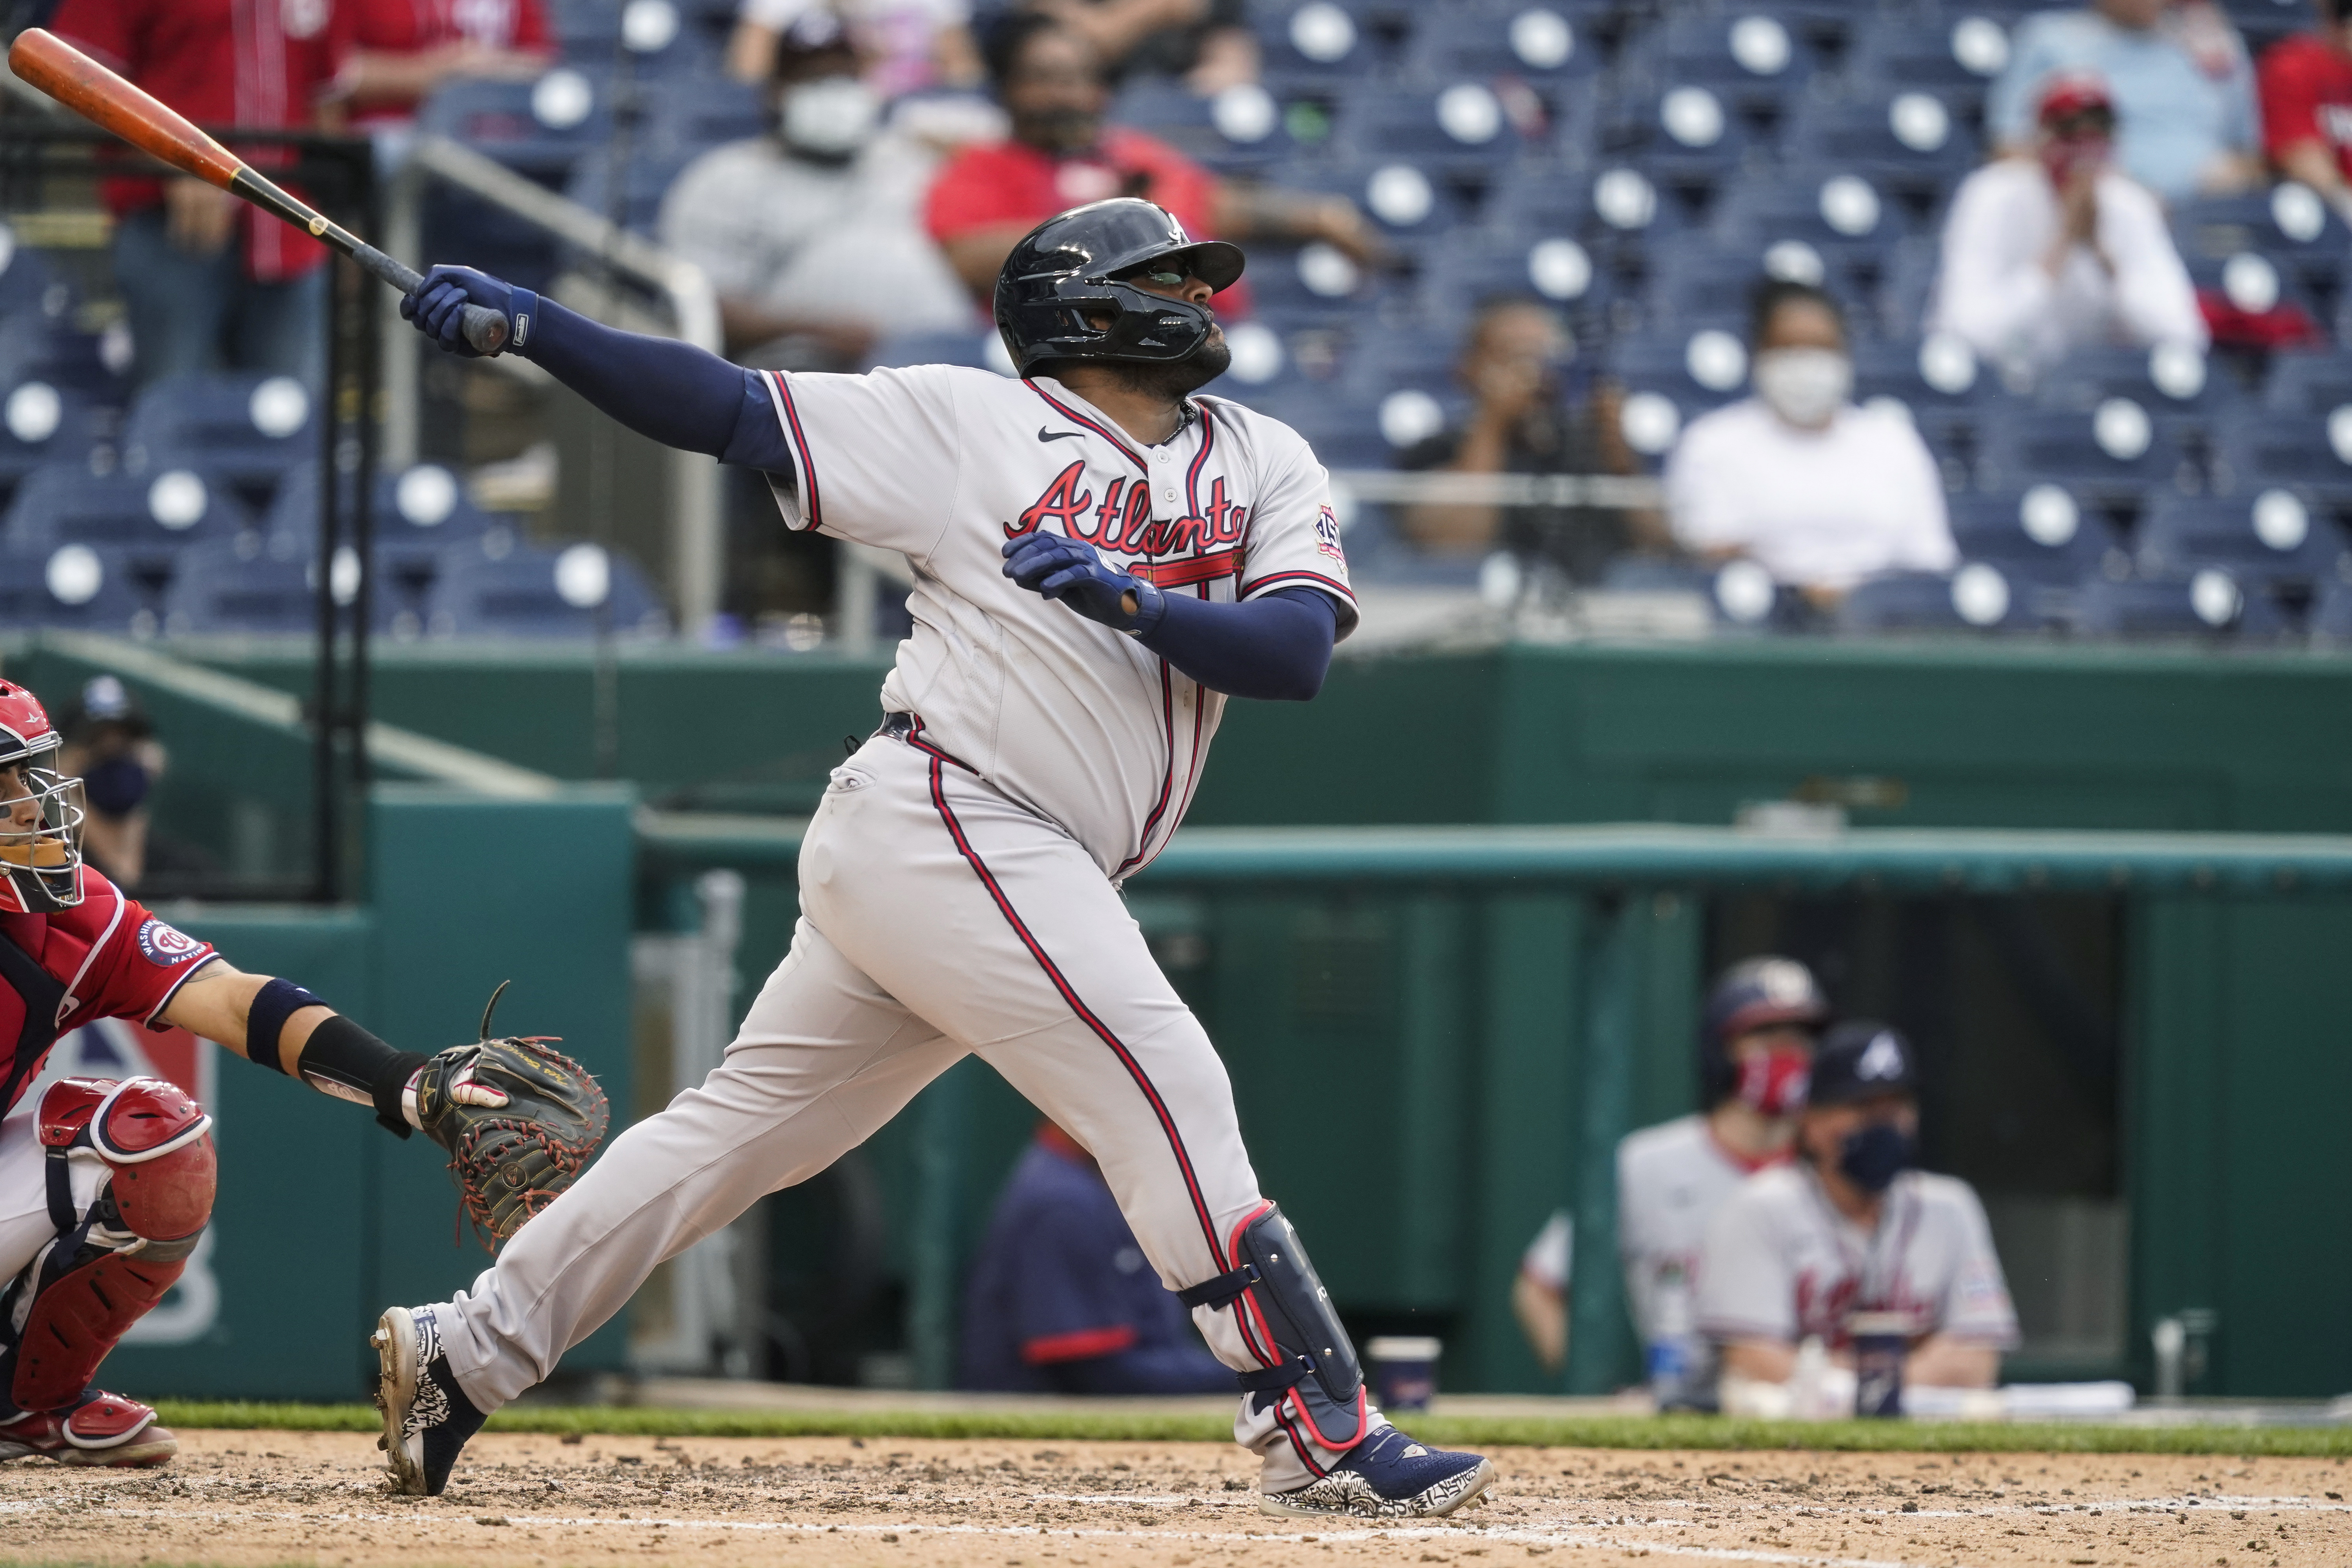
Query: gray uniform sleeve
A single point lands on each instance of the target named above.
(1747, 1289)
(1975, 1303)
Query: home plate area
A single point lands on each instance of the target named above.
(255, 1498)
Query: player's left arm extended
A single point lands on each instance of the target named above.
(277, 1023)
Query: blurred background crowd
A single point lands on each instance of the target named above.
(1683, 316)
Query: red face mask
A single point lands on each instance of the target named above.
(1773, 1082)
(2063, 156)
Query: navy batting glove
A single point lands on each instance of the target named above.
(438, 308)
(1075, 573)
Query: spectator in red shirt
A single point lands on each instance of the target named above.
(2305, 84)
(210, 282)
(402, 49)
(1061, 155)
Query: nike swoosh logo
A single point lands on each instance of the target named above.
(1044, 434)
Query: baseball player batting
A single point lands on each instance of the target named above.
(1101, 560)
(106, 1186)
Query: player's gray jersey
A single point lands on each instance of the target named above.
(1077, 721)
(1671, 1179)
(1781, 1263)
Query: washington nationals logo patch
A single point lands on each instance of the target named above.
(167, 944)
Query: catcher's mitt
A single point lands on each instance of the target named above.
(514, 1148)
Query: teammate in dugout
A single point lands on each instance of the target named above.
(106, 1186)
(1851, 1226)
(1755, 1037)
(1101, 560)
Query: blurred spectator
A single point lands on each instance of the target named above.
(2306, 94)
(1818, 491)
(1850, 1227)
(908, 45)
(1755, 1048)
(2183, 89)
(1061, 155)
(1061, 1299)
(400, 51)
(2058, 248)
(1520, 423)
(210, 282)
(111, 746)
(810, 234)
(1208, 43)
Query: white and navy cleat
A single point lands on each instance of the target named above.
(1387, 1475)
(427, 1416)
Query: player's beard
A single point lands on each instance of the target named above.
(1172, 380)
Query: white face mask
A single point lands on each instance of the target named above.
(1804, 386)
(831, 117)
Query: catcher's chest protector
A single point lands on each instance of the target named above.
(42, 995)
(115, 1257)
(1286, 1315)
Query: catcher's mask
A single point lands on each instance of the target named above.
(40, 811)
(1079, 265)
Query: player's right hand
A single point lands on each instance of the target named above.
(438, 308)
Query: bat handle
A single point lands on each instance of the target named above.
(485, 330)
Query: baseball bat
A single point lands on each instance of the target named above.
(107, 101)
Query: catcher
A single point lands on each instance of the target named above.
(105, 1186)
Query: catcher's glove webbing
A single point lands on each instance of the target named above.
(509, 1159)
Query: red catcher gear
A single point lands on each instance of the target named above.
(104, 1429)
(114, 1260)
(40, 863)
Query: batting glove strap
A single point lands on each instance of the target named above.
(1150, 608)
(523, 321)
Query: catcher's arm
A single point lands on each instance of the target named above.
(277, 1023)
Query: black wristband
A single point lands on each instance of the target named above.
(344, 1060)
(275, 1002)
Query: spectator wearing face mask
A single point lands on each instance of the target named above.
(810, 234)
(2183, 90)
(1755, 1048)
(1852, 1226)
(1520, 423)
(111, 746)
(1061, 154)
(1819, 492)
(2057, 248)
(2306, 98)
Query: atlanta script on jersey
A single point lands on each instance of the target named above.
(1075, 720)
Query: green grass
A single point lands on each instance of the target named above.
(1578, 1432)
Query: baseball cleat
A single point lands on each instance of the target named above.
(103, 1429)
(1387, 1475)
(427, 1416)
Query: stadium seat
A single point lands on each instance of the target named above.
(978, 347)
(2290, 223)
(2211, 603)
(2272, 538)
(1553, 268)
(259, 585)
(1543, 41)
(246, 429)
(74, 587)
(41, 424)
(154, 512)
(1912, 144)
(1408, 198)
(1978, 597)
(650, 175)
(2265, 22)
(1240, 129)
(1955, 55)
(1462, 126)
(527, 591)
(1319, 42)
(1694, 287)
(1939, 383)
(1753, 57)
(96, 365)
(1686, 136)
(540, 127)
(2331, 614)
(2253, 283)
(2310, 383)
(2254, 449)
(2042, 535)
(1821, 214)
(1700, 368)
(683, 120)
(2117, 452)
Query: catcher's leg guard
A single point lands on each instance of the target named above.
(1286, 1310)
(132, 1174)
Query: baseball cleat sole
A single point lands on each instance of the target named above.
(395, 1396)
(1344, 1495)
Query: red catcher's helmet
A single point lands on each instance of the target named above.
(40, 819)
(2067, 94)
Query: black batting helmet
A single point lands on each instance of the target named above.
(1754, 994)
(1072, 267)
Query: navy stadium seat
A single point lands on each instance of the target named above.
(1328, 41)
(1553, 268)
(683, 120)
(30, 288)
(1910, 142)
(540, 127)
(976, 346)
(527, 591)
(2255, 449)
(1955, 55)
(75, 586)
(1409, 199)
(2254, 283)
(2042, 535)
(1755, 58)
(94, 364)
(259, 585)
(2269, 537)
(1241, 129)
(1541, 41)
(247, 429)
(2211, 603)
(650, 175)
(1812, 225)
(1978, 597)
(2265, 22)
(42, 423)
(1461, 126)
(2290, 223)
(154, 512)
(2308, 382)
(2115, 453)
(2331, 614)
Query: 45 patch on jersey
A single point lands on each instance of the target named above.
(1327, 536)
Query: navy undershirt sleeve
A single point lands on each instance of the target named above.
(1276, 648)
(679, 394)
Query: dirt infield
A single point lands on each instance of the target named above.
(262, 1497)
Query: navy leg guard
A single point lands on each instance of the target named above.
(1286, 1310)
